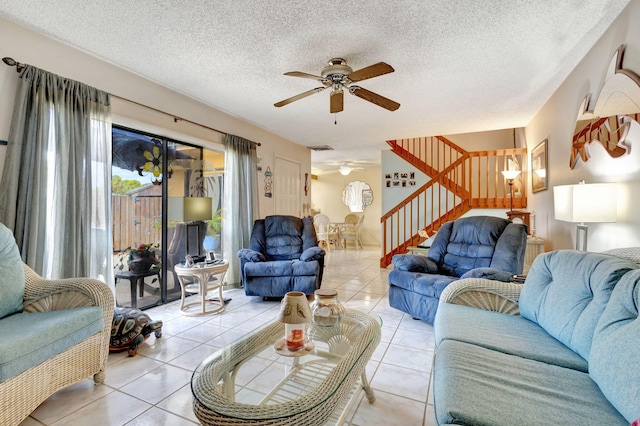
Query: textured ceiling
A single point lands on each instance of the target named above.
(460, 66)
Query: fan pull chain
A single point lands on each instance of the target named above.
(335, 119)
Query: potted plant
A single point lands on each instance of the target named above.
(139, 258)
(214, 228)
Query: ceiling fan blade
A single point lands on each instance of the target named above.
(371, 71)
(298, 97)
(374, 98)
(337, 101)
(306, 75)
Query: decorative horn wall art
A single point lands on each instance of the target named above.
(616, 108)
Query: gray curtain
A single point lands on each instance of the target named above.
(56, 184)
(240, 200)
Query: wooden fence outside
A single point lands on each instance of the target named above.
(136, 219)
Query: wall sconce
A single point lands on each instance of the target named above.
(510, 176)
(585, 203)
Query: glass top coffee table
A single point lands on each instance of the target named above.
(250, 382)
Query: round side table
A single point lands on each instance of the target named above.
(202, 273)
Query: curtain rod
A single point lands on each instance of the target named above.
(20, 66)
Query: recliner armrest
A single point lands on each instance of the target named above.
(488, 273)
(414, 263)
(251, 255)
(312, 253)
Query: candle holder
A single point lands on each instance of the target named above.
(296, 315)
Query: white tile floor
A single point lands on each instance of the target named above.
(152, 388)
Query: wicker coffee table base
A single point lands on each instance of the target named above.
(326, 389)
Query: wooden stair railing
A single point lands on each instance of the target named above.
(429, 155)
(460, 181)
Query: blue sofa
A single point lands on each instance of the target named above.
(52, 333)
(477, 246)
(568, 353)
(283, 256)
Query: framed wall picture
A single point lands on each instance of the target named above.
(539, 168)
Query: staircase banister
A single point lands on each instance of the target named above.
(407, 200)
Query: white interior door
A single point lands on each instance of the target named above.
(287, 187)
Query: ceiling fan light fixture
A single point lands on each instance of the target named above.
(338, 76)
(345, 170)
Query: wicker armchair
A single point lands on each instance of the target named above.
(21, 394)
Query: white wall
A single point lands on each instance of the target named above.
(556, 122)
(326, 196)
(29, 47)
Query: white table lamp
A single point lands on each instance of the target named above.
(585, 203)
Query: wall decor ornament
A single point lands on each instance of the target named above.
(267, 183)
(357, 195)
(400, 179)
(539, 177)
(607, 120)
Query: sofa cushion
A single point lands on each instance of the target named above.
(283, 237)
(278, 286)
(430, 285)
(31, 338)
(615, 355)
(11, 274)
(466, 243)
(566, 291)
(509, 334)
(477, 386)
(281, 268)
(629, 253)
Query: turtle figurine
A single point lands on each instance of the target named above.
(129, 328)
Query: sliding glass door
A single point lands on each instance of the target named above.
(155, 181)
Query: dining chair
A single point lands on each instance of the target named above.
(351, 230)
(325, 231)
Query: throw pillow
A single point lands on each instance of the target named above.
(11, 274)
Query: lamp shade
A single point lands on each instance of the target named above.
(510, 174)
(189, 209)
(294, 308)
(585, 203)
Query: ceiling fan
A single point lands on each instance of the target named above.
(343, 167)
(340, 77)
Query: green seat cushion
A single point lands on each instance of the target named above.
(11, 274)
(31, 338)
(510, 334)
(477, 386)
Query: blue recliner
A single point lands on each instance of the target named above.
(472, 247)
(283, 256)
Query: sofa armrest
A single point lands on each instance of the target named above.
(414, 263)
(489, 274)
(484, 294)
(312, 253)
(41, 294)
(251, 255)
